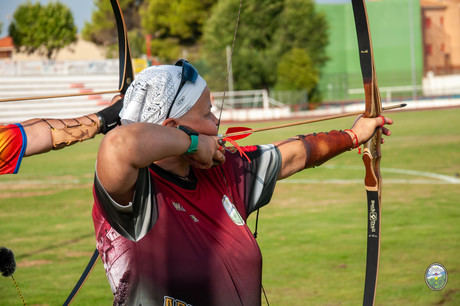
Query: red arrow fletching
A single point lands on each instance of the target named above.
(237, 129)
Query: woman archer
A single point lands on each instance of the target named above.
(171, 202)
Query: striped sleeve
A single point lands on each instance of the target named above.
(13, 143)
(255, 180)
(131, 221)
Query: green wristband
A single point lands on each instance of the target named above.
(193, 138)
(193, 144)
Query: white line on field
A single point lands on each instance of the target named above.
(44, 181)
(361, 181)
(442, 177)
(435, 178)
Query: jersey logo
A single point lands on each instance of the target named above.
(181, 208)
(112, 234)
(232, 211)
(178, 206)
(169, 301)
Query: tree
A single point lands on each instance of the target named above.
(102, 29)
(174, 24)
(297, 78)
(296, 71)
(268, 30)
(43, 29)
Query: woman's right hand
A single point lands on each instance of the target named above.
(210, 153)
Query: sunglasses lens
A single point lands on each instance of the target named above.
(189, 72)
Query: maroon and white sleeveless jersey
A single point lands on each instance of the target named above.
(185, 241)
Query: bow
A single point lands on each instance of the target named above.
(371, 152)
(126, 76)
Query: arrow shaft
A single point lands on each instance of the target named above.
(60, 96)
(309, 121)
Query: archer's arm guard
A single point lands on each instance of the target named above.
(323, 146)
(70, 131)
(67, 133)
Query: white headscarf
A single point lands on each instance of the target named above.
(149, 97)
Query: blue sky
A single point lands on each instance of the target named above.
(81, 10)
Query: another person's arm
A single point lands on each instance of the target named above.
(37, 136)
(44, 135)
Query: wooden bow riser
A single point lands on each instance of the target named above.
(372, 148)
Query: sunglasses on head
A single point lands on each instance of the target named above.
(189, 73)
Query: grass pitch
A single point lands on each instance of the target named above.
(312, 234)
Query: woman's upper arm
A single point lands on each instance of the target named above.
(114, 170)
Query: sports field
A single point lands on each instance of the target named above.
(312, 234)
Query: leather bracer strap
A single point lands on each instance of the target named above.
(70, 134)
(109, 117)
(323, 146)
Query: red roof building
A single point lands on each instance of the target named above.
(6, 47)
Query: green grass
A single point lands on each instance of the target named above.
(312, 234)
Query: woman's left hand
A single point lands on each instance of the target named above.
(364, 128)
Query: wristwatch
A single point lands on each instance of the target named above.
(193, 138)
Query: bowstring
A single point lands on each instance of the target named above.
(222, 108)
(230, 63)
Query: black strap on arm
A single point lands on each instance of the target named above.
(109, 117)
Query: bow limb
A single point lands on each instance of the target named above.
(126, 73)
(371, 153)
(126, 76)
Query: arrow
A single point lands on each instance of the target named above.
(236, 133)
(60, 96)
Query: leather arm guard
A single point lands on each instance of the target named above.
(108, 117)
(69, 134)
(323, 146)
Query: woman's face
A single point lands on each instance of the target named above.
(200, 118)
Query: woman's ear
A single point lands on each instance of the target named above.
(170, 122)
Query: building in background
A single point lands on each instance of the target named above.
(441, 36)
(78, 51)
(6, 47)
(397, 43)
(81, 53)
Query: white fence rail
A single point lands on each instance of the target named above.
(386, 92)
(245, 98)
(11, 87)
(51, 68)
(248, 105)
(441, 85)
